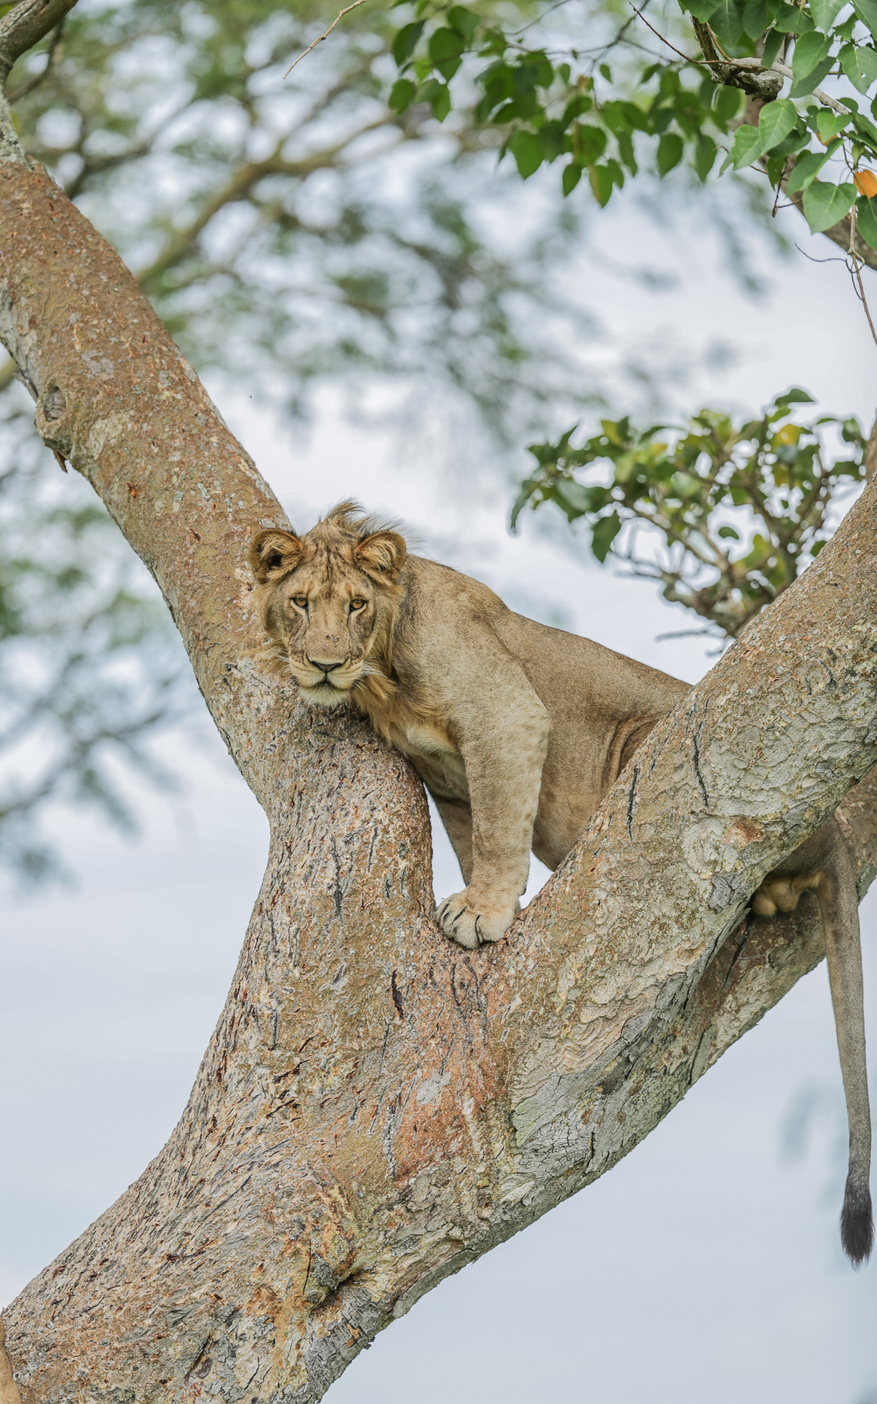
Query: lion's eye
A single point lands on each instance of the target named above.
(356, 604)
(301, 601)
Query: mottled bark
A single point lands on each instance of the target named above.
(378, 1107)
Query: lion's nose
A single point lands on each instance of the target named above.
(323, 667)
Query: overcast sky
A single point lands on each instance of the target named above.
(706, 1266)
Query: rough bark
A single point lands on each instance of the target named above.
(378, 1107)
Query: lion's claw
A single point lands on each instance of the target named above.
(470, 927)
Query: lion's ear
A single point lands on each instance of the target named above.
(273, 554)
(381, 554)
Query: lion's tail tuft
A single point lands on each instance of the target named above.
(856, 1221)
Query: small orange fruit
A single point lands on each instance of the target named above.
(866, 183)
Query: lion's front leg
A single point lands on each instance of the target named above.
(504, 754)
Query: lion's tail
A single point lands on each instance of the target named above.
(839, 905)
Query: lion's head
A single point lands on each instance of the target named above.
(328, 599)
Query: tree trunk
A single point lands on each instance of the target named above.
(378, 1107)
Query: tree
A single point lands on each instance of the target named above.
(377, 1107)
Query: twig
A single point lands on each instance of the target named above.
(340, 15)
(854, 264)
(57, 36)
(809, 257)
(515, 32)
(704, 63)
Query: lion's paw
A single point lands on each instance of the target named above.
(469, 926)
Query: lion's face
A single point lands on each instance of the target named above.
(326, 598)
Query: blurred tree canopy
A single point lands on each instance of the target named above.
(349, 223)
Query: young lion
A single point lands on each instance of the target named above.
(488, 704)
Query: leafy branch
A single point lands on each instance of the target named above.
(724, 517)
(575, 111)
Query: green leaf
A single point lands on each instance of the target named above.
(615, 431)
(867, 12)
(772, 45)
(625, 150)
(728, 102)
(438, 97)
(727, 21)
(588, 144)
(775, 123)
(746, 148)
(405, 41)
(825, 12)
(704, 156)
(445, 44)
(572, 174)
(604, 533)
(810, 63)
(829, 124)
(402, 94)
(825, 204)
(795, 396)
(670, 149)
(464, 21)
(445, 47)
(756, 18)
(528, 152)
(791, 19)
(701, 9)
(775, 167)
(601, 183)
(859, 63)
(441, 103)
(806, 169)
(812, 81)
(575, 497)
(866, 219)
(865, 127)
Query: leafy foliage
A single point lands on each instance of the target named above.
(574, 109)
(578, 110)
(725, 516)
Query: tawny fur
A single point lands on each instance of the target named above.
(518, 731)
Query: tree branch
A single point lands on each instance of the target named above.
(23, 27)
(763, 85)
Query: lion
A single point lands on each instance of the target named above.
(518, 730)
